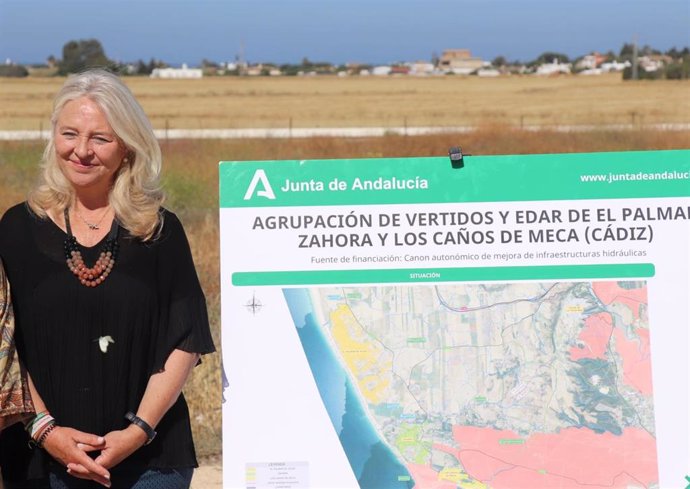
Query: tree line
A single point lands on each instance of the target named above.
(78, 55)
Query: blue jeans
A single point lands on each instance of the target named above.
(151, 479)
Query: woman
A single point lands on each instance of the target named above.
(110, 314)
(15, 402)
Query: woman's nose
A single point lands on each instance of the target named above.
(83, 148)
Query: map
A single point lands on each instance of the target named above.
(487, 385)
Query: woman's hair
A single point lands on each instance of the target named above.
(135, 195)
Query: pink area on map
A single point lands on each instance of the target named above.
(426, 477)
(572, 458)
(637, 367)
(609, 292)
(521, 478)
(595, 336)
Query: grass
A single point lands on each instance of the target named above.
(281, 102)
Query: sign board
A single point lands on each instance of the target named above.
(522, 321)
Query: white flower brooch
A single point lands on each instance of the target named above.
(104, 341)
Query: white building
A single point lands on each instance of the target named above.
(488, 72)
(183, 72)
(652, 63)
(554, 68)
(421, 68)
(614, 66)
(381, 70)
(588, 62)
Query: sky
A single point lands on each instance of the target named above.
(337, 31)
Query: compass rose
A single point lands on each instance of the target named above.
(254, 305)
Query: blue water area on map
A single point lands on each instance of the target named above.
(372, 461)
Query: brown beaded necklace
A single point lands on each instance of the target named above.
(91, 277)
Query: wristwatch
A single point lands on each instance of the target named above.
(134, 419)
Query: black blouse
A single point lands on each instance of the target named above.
(150, 304)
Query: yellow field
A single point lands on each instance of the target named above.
(263, 102)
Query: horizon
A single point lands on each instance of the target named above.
(338, 32)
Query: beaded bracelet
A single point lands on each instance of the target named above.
(44, 435)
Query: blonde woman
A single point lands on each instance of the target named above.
(111, 318)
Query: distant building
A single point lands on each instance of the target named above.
(183, 72)
(590, 61)
(264, 69)
(459, 61)
(654, 62)
(400, 70)
(488, 72)
(381, 70)
(555, 68)
(614, 66)
(421, 68)
(355, 68)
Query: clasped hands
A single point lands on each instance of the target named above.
(71, 448)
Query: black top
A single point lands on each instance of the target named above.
(150, 304)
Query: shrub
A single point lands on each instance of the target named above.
(15, 71)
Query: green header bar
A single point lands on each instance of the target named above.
(472, 274)
(573, 176)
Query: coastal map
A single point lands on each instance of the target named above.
(486, 385)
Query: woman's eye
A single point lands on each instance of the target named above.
(101, 140)
(68, 134)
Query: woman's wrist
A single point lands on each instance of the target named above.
(142, 425)
(137, 435)
(39, 427)
(41, 439)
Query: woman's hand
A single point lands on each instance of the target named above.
(69, 446)
(119, 445)
(161, 392)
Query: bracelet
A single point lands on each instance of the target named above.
(44, 435)
(31, 423)
(136, 420)
(39, 427)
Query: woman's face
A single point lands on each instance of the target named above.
(87, 149)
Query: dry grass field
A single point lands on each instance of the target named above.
(280, 102)
(191, 180)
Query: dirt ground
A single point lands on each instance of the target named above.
(209, 475)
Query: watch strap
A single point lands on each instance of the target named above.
(136, 420)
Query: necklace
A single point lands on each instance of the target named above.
(93, 276)
(92, 226)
